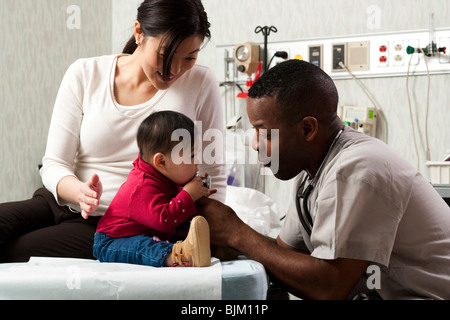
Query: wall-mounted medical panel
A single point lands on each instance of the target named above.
(366, 56)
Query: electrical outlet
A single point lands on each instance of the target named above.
(415, 59)
(383, 54)
(339, 55)
(398, 53)
(316, 55)
(279, 60)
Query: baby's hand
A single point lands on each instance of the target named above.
(197, 189)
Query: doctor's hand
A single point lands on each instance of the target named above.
(89, 197)
(224, 224)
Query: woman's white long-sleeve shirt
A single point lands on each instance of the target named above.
(91, 133)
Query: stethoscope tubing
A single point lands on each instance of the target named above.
(305, 195)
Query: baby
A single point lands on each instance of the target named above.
(158, 196)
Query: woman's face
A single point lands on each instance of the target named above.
(152, 61)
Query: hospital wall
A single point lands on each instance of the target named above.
(38, 42)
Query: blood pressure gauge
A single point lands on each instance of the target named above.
(246, 57)
(242, 53)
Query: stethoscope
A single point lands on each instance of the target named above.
(305, 215)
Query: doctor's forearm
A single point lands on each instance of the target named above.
(302, 275)
(279, 262)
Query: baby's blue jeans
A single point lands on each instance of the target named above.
(142, 250)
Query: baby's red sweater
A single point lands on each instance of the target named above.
(148, 203)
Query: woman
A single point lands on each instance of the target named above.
(92, 137)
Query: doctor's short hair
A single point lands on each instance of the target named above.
(155, 133)
(301, 89)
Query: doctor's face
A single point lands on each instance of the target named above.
(276, 141)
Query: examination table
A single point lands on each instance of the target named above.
(76, 279)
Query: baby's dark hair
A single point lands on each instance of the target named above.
(300, 88)
(155, 132)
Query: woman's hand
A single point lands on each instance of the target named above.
(89, 197)
(87, 194)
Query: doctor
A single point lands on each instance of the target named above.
(357, 203)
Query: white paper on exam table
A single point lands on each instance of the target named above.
(71, 279)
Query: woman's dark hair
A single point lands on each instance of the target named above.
(175, 20)
(155, 132)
